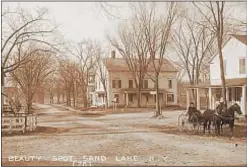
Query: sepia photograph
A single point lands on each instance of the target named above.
(145, 83)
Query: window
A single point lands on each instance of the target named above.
(117, 97)
(116, 83)
(169, 83)
(170, 97)
(242, 65)
(130, 83)
(225, 66)
(145, 83)
(131, 97)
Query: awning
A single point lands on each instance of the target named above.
(100, 92)
(145, 90)
(229, 83)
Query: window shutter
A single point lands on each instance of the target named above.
(170, 83)
(119, 83)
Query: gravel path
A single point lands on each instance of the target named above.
(122, 136)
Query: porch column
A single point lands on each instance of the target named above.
(227, 94)
(188, 98)
(210, 97)
(176, 98)
(233, 94)
(127, 99)
(243, 100)
(197, 99)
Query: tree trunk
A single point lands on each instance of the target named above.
(58, 95)
(139, 95)
(106, 97)
(74, 98)
(63, 96)
(68, 98)
(222, 75)
(2, 94)
(157, 95)
(85, 101)
(106, 101)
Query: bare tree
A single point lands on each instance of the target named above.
(133, 48)
(20, 29)
(85, 53)
(101, 72)
(32, 75)
(157, 32)
(68, 74)
(193, 44)
(219, 23)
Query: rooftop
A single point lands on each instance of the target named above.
(241, 38)
(120, 65)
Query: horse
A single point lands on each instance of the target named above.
(207, 118)
(228, 117)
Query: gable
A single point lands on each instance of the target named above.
(232, 48)
(234, 40)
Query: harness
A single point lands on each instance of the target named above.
(224, 118)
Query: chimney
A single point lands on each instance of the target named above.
(113, 54)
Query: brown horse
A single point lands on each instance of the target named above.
(228, 117)
(208, 117)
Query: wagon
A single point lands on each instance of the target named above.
(185, 124)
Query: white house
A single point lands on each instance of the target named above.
(235, 66)
(120, 85)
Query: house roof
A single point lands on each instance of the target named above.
(229, 83)
(241, 38)
(120, 65)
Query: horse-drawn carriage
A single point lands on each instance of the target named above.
(186, 122)
(198, 120)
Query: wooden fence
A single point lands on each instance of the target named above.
(11, 124)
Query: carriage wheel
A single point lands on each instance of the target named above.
(182, 122)
(195, 124)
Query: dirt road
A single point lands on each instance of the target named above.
(117, 139)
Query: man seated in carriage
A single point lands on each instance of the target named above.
(192, 110)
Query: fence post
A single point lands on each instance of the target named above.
(23, 124)
(10, 125)
(35, 122)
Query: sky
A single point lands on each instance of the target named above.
(77, 20)
(82, 20)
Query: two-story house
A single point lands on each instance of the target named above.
(120, 85)
(235, 68)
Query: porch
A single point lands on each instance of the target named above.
(236, 92)
(148, 97)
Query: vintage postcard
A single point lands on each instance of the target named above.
(123, 83)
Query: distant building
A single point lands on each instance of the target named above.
(120, 85)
